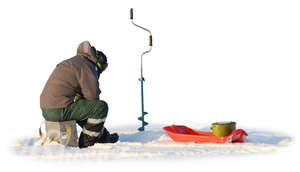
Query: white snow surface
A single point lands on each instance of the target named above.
(153, 143)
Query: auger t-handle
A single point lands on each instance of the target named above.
(150, 35)
(142, 79)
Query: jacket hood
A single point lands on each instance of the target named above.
(85, 49)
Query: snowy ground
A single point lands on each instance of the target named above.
(154, 143)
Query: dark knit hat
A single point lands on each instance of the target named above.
(101, 57)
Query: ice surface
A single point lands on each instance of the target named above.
(153, 143)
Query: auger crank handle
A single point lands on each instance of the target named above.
(131, 13)
(150, 40)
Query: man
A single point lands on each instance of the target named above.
(72, 93)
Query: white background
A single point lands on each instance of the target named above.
(211, 61)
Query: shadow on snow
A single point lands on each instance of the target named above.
(142, 137)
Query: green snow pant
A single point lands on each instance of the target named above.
(79, 111)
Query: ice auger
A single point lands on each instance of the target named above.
(142, 79)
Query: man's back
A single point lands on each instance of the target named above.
(76, 75)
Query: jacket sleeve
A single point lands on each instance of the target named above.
(88, 82)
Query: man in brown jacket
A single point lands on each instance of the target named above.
(72, 93)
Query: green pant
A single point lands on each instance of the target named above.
(79, 111)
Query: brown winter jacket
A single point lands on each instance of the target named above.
(78, 74)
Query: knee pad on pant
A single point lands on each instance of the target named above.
(101, 109)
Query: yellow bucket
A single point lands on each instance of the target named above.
(222, 129)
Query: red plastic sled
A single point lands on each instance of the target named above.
(181, 133)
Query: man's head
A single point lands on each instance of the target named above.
(101, 59)
(85, 49)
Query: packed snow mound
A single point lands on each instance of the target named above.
(153, 143)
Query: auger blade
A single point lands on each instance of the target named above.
(141, 129)
(145, 123)
(143, 126)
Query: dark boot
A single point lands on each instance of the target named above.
(86, 140)
(107, 137)
(91, 132)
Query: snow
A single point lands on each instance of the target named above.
(153, 143)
